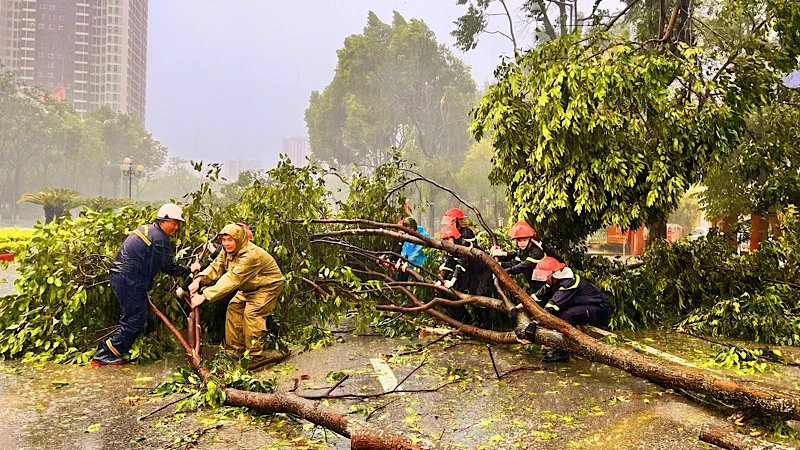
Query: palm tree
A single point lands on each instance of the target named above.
(54, 200)
(103, 203)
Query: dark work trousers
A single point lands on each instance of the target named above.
(597, 315)
(133, 301)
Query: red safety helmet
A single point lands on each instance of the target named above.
(546, 267)
(455, 212)
(451, 215)
(449, 231)
(521, 229)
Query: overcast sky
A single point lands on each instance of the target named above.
(230, 82)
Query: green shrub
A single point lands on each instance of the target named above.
(705, 287)
(14, 240)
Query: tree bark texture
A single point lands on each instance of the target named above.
(731, 440)
(661, 372)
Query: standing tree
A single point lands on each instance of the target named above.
(760, 178)
(20, 112)
(124, 136)
(394, 86)
(603, 131)
(55, 201)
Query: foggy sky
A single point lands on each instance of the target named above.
(230, 82)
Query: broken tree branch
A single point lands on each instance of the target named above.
(478, 215)
(664, 373)
(731, 440)
(365, 435)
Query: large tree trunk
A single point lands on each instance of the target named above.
(362, 435)
(664, 373)
(49, 213)
(657, 230)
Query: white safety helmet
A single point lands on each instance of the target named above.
(170, 211)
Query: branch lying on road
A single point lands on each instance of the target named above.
(731, 440)
(361, 434)
(670, 375)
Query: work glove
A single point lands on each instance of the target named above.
(530, 331)
(496, 252)
(449, 283)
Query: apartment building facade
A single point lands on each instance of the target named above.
(92, 53)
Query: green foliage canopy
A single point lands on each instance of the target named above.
(394, 86)
(597, 132)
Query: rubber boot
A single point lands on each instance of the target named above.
(105, 357)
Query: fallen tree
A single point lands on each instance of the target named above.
(664, 373)
(361, 434)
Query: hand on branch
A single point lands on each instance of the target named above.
(197, 300)
(209, 247)
(195, 267)
(194, 286)
(449, 283)
(496, 252)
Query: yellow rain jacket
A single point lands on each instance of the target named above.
(247, 269)
(255, 277)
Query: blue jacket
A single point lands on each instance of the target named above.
(413, 252)
(145, 253)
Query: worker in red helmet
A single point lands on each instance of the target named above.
(522, 261)
(454, 271)
(573, 299)
(478, 275)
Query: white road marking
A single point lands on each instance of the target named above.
(385, 375)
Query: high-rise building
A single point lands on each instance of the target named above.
(297, 149)
(232, 168)
(93, 53)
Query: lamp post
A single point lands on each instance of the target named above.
(129, 171)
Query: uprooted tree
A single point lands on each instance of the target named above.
(329, 260)
(63, 302)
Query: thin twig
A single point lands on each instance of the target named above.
(380, 408)
(622, 13)
(424, 360)
(338, 383)
(519, 369)
(421, 349)
(163, 407)
(494, 365)
(381, 394)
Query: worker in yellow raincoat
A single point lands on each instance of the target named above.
(249, 274)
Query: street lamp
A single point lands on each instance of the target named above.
(129, 171)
